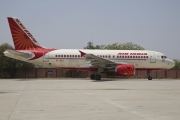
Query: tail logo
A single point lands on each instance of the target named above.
(25, 30)
(23, 39)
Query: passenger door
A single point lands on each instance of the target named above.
(152, 57)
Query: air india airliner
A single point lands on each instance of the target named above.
(111, 62)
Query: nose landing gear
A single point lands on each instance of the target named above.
(149, 75)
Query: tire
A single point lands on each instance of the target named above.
(149, 78)
(92, 76)
(98, 77)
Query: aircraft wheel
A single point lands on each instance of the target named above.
(149, 78)
(92, 76)
(98, 77)
(149, 75)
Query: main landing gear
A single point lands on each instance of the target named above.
(149, 75)
(95, 77)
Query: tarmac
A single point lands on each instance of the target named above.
(84, 99)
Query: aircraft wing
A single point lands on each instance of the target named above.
(98, 61)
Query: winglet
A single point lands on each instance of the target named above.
(82, 53)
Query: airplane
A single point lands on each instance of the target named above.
(110, 62)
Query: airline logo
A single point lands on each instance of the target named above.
(132, 54)
(22, 38)
(25, 30)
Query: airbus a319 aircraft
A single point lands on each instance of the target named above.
(110, 62)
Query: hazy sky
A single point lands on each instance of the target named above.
(153, 24)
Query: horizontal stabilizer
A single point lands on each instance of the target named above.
(22, 54)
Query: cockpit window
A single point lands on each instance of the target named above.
(163, 57)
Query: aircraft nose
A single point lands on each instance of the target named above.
(171, 63)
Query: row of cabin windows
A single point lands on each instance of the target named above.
(105, 56)
(68, 56)
(102, 56)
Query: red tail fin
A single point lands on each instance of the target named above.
(23, 39)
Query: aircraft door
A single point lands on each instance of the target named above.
(46, 57)
(152, 57)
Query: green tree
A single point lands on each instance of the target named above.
(116, 46)
(177, 64)
(5, 63)
(8, 65)
(123, 46)
(91, 46)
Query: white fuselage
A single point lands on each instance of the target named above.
(71, 58)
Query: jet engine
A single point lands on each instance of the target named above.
(125, 70)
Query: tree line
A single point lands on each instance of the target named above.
(115, 46)
(9, 65)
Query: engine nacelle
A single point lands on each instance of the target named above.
(125, 70)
